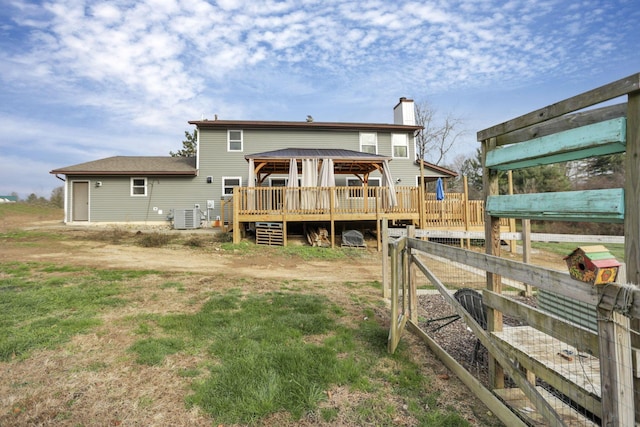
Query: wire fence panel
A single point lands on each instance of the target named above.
(572, 368)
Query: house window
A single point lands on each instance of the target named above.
(228, 183)
(357, 192)
(234, 140)
(278, 182)
(369, 142)
(400, 144)
(139, 187)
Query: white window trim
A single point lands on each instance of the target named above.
(351, 179)
(375, 140)
(394, 144)
(224, 179)
(145, 186)
(229, 141)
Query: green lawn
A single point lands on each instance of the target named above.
(261, 354)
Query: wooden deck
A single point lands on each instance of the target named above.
(342, 204)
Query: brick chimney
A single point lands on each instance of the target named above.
(403, 112)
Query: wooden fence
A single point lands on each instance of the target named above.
(549, 351)
(597, 379)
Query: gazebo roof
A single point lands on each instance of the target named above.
(344, 161)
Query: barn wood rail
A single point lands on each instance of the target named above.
(617, 305)
(567, 131)
(331, 204)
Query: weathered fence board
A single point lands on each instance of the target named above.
(589, 205)
(578, 378)
(559, 124)
(579, 337)
(597, 139)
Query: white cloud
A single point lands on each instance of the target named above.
(151, 65)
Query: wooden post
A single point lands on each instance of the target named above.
(512, 221)
(413, 291)
(492, 246)
(378, 195)
(332, 203)
(632, 215)
(385, 260)
(526, 251)
(222, 208)
(422, 213)
(237, 236)
(616, 369)
(465, 201)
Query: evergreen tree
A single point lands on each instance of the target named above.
(189, 145)
(537, 179)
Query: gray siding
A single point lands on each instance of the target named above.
(112, 201)
(216, 161)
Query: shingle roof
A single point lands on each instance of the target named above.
(253, 124)
(344, 161)
(133, 165)
(318, 153)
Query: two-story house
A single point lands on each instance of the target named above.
(234, 154)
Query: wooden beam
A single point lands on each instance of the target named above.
(632, 191)
(601, 94)
(598, 139)
(562, 123)
(632, 214)
(413, 291)
(492, 246)
(237, 234)
(398, 318)
(385, 259)
(607, 205)
(526, 251)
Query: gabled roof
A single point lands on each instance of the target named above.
(133, 165)
(437, 171)
(344, 161)
(282, 125)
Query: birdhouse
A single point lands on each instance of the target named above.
(592, 264)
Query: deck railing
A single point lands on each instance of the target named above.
(258, 201)
(353, 203)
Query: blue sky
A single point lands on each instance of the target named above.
(83, 80)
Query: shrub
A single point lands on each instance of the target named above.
(154, 240)
(194, 242)
(223, 237)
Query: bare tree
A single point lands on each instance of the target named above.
(437, 138)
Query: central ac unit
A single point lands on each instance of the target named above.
(184, 219)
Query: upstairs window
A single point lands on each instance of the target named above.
(400, 145)
(369, 142)
(234, 140)
(139, 187)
